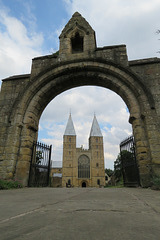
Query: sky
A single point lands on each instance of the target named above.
(31, 28)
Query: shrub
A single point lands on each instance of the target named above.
(9, 184)
(156, 182)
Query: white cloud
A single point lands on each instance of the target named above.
(133, 23)
(18, 46)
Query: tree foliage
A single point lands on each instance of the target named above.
(118, 167)
(109, 172)
(123, 158)
(39, 157)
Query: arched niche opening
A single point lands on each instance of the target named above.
(83, 102)
(77, 43)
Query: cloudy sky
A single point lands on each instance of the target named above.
(31, 28)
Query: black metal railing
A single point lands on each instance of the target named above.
(40, 165)
(129, 163)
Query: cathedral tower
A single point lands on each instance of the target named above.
(69, 154)
(83, 167)
(97, 154)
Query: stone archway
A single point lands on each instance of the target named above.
(45, 87)
(28, 95)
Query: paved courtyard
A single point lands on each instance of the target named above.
(88, 213)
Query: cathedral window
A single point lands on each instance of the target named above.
(83, 167)
(69, 139)
(97, 164)
(77, 43)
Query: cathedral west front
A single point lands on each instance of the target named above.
(81, 167)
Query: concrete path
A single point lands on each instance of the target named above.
(88, 214)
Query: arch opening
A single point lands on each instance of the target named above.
(110, 109)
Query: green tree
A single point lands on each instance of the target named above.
(123, 158)
(109, 172)
(39, 157)
(118, 167)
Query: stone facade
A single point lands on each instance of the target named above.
(81, 167)
(56, 177)
(78, 63)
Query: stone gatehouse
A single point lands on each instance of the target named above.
(80, 62)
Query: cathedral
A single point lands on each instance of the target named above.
(81, 167)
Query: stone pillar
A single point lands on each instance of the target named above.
(142, 152)
(28, 136)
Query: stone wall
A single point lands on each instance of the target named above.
(149, 72)
(11, 90)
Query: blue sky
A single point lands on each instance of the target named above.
(39, 16)
(31, 28)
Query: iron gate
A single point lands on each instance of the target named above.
(40, 165)
(129, 164)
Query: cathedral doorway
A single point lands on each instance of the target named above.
(83, 184)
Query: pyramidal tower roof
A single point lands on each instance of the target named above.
(77, 21)
(70, 127)
(95, 129)
(76, 37)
